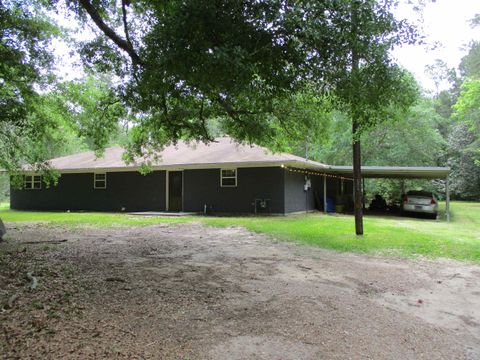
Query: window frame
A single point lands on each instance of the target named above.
(95, 187)
(222, 177)
(31, 179)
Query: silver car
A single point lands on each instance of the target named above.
(423, 202)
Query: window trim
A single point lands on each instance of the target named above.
(228, 177)
(95, 181)
(31, 179)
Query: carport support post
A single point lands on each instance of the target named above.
(363, 192)
(325, 194)
(447, 199)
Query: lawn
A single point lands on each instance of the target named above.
(82, 218)
(459, 239)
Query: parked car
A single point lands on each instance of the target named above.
(423, 202)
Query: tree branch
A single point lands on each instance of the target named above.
(125, 26)
(123, 44)
(230, 110)
(202, 121)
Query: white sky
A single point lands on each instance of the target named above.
(446, 22)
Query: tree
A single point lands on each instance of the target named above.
(470, 64)
(410, 139)
(467, 110)
(196, 60)
(32, 129)
(87, 108)
(25, 32)
(366, 82)
(465, 175)
(440, 72)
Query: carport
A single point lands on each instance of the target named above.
(395, 172)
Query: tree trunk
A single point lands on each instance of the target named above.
(3, 231)
(357, 163)
(357, 180)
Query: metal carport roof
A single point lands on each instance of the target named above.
(393, 172)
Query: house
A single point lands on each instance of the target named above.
(220, 177)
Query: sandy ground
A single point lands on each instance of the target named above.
(191, 292)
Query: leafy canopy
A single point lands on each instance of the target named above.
(184, 62)
(467, 110)
(25, 32)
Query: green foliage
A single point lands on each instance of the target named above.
(25, 32)
(465, 174)
(459, 111)
(197, 60)
(440, 72)
(443, 107)
(467, 110)
(403, 139)
(443, 131)
(242, 63)
(412, 140)
(467, 107)
(295, 118)
(4, 187)
(335, 145)
(38, 118)
(88, 110)
(470, 64)
(351, 57)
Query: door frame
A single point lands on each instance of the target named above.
(167, 187)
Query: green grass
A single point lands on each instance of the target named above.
(459, 239)
(72, 219)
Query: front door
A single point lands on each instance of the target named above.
(175, 190)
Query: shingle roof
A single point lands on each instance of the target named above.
(222, 152)
(225, 152)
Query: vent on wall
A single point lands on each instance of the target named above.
(262, 206)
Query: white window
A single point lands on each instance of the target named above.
(32, 182)
(228, 177)
(100, 181)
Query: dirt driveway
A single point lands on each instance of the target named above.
(191, 292)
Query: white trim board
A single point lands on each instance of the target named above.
(178, 167)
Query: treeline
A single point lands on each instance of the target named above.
(82, 115)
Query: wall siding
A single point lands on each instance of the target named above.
(130, 190)
(135, 192)
(203, 187)
(296, 198)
